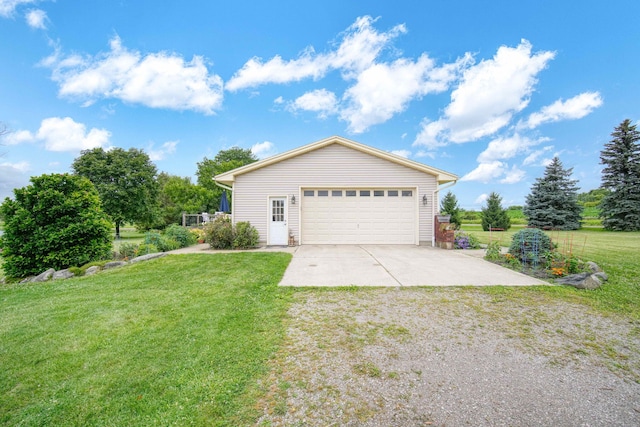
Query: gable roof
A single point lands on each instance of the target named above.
(227, 178)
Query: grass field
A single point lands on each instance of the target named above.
(173, 341)
(616, 252)
(185, 339)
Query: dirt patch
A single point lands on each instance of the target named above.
(451, 357)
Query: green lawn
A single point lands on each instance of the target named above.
(172, 341)
(616, 252)
(185, 339)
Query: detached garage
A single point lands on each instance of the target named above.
(337, 191)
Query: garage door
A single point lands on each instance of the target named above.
(359, 216)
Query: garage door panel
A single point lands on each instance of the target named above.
(385, 216)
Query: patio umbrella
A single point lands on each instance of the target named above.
(224, 203)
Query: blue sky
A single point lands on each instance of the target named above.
(489, 91)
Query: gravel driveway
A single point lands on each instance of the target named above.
(452, 357)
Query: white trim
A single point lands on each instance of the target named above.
(441, 176)
(269, 212)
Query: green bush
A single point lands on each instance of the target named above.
(56, 222)
(161, 242)
(180, 234)
(219, 233)
(127, 250)
(531, 246)
(493, 252)
(147, 248)
(463, 240)
(245, 236)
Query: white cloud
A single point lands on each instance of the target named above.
(18, 137)
(13, 175)
(402, 153)
(64, 134)
(571, 109)
(37, 18)
(360, 45)
(320, 101)
(263, 149)
(157, 80)
(167, 148)
(531, 158)
(385, 89)
(279, 100)
(481, 199)
(486, 172)
(488, 96)
(514, 175)
(507, 147)
(7, 7)
(423, 153)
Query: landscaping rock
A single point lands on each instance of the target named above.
(602, 276)
(581, 281)
(62, 274)
(27, 279)
(594, 268)
(114, 264)
(43, 277)
(92, 270)
(147, 257)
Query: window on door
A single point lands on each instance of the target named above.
(277, 210)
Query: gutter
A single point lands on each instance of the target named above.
(226, 187)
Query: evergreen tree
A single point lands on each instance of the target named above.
(553, 201)
(493, 215)
(449, 206)
(620, 208)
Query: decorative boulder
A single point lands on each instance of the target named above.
(147, 256)
(44, 276)
(581, 281)
(62, 274)
(114, 264)
(593, 267)
(92, 270)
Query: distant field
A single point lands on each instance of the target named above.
(589, 216)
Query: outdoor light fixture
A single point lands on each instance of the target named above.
(293, 199)
(424, 200)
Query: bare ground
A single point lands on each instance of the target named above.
(451, 357)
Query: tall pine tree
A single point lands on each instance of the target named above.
(620, 208)
(449, 206)
(493, 215)
(553, 201)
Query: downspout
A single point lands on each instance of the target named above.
(433, 208)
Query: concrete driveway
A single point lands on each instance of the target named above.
(395, 265)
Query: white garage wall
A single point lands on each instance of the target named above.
(334, 166)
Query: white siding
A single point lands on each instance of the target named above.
(334, 166)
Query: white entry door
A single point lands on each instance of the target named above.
(278, 221)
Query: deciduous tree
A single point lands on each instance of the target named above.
(56, 222)
(125, 180)
(620, 208)
(224, 161)
(178, 194)
(553, 201)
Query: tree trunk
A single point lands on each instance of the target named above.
(117, 230)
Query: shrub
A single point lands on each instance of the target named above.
(531, 246)
(245, 236)
(127, 250)
(463, 240)
(162, 243)
(147, 248)
(180, 234)
(219, 233)
(493, 252)
(56, 222)
(198, 234)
